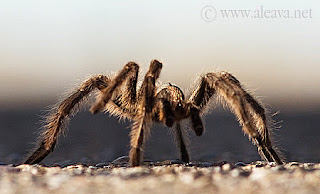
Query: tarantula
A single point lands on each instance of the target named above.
(144, 105)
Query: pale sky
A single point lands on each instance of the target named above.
(47, 46)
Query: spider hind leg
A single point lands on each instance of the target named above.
(57, 119)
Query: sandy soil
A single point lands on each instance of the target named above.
(162, 177)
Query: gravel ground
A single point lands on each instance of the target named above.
(162, 177)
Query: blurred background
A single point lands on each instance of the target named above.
(49, 47)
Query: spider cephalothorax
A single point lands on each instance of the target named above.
(144, 105)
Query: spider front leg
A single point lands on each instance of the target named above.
(57, 120)
(143, 120)
(249, 112)
(106, 93)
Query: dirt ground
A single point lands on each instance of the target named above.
(164, 177)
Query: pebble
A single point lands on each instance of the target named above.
(293, 164)
(237, 172)
(170, 162)
(240, 164)
(101, 165)
(226, 167)
(216, 169)
(308, 166)
(33, 169)
(8, 169)
(136, 172)
(278, 168)
(260, 164)
(120, 160)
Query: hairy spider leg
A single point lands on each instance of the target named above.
(258, 112)
(182, 141)
(57, 120)
(199, 99)
(196, 121)
(202, 94)
(123, 103)
(107, 92)
(228, 87)
(142, 123)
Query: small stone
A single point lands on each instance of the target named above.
(199, 164)
(55, 181)
(187, 178)
(278, 168)
(239, 172)
(166, 162)
(120, 160)
(272, 164)
(101, 165)
(177, 161)
(260, 164)
(294, 164)
(135, 172)
(53, 170)
(259, 174)
(226, 167)
(168, 178)
(9, 169)
(74, 166)
(216, 169)
(308, 165)
(240, 164)
(33, 169)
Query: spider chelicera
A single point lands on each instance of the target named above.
(144, 105)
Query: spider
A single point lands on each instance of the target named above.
(148, 104)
